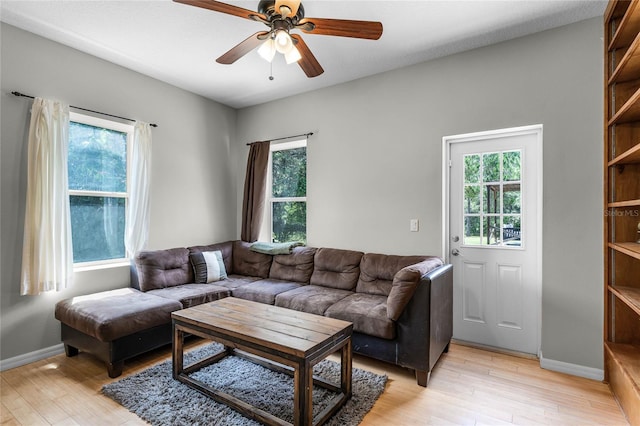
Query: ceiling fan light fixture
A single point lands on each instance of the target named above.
(287, 8)
(292, 55)
(283, 42)
(268, 50)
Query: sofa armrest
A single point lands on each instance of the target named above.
(425, 327)
(405, 283)
(441, 321)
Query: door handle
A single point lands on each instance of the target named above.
(455, 252)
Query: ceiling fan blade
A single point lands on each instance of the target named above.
(292, 5)
(308, 62)
(341, 27)
(243, 48)
(217, 6)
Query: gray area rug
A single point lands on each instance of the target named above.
(155, 397)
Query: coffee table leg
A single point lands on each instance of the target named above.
(303, 395)
(346, 365)
(178, 351)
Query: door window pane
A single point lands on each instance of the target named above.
(511, 231)
(472, 231)
(472, 199)
(472, 168)
(511, 165)
(97, 226)
(511, 198)
(492, 197)
(491, 167)
(97, 159)
(492, 230)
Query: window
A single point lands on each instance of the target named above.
(98, 187)
(288, 194)
(492, 185)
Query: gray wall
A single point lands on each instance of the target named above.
(375, 160)
(374, 163)
(193, 184)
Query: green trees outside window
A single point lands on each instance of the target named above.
(97, 163)
(288, 195)
(492, 198)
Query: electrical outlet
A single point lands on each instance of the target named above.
(413, 225)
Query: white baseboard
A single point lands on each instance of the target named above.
(30, 357)
(573, 369)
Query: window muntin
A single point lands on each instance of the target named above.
(98, 188)
(492, 213)
(288, 191)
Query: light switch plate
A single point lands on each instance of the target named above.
(413, 225)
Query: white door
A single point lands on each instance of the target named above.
(494, 236)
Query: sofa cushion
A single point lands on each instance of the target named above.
(405, 283)
(263, 291)
(296, 266)
(208, 266)
(377, 272)
(250, 263)
(112, 314)
(367, 312)
(163, 268)
(234, 281)
(192, 294)
(225, 248)
(312, 299)
(336, 268)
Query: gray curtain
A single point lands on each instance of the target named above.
(254, 191)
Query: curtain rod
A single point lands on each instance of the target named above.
(286, 137)
(83, 109)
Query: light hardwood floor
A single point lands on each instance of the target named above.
(469, 386)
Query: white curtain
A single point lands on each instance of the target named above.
(47, 254)
(137, 222)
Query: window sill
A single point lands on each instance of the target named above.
(97, 266)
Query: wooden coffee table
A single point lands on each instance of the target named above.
(281, 339)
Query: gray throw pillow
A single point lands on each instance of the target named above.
(208, 266)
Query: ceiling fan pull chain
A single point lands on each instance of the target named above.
(271, 72)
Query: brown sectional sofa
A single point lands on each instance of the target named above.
(401, 306)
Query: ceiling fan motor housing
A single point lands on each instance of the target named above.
(268, 9)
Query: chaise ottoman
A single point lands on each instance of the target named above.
(115, 325)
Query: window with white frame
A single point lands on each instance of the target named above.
(98, 163)
(288, 191)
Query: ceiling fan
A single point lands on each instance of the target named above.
(282, 16)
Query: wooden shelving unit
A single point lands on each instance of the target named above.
(622, 204)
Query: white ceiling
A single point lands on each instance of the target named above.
(178, 43)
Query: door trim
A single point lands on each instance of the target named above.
(447, 142)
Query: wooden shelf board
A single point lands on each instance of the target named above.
(630, 111)
(622, 362)
(630, 249)
(631, 156)
(629, 295)
(615, 9)
(628, 27)
(629, 66)
(628, 356)
(622, 204)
